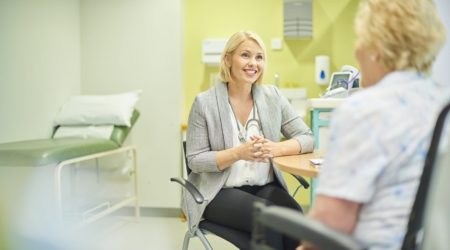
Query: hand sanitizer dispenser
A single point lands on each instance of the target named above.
(322, 70)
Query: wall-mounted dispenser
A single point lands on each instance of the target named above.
(212, 50)
(322, 70)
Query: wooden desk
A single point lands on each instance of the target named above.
(300, 165)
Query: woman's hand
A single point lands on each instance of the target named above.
(252, 150)
(307, 246)
(249, 152)
(264, 147)
(271, 149)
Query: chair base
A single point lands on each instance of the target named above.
(238, 238)
(197, 233)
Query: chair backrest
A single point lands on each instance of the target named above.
(437, 211)
(431, 171)
(188, 170)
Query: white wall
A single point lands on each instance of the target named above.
(441, 70)
(39, 64)
(137, 44)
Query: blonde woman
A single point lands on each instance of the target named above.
(379, 137)
(233, 131)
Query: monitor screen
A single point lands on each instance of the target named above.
(339, 79)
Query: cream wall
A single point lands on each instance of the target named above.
(39, 64)
(53, 49)
(137, 44)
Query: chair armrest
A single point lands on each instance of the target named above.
(294, 224)
(198, 197)
(301, 180)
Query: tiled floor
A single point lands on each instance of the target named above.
(148, 233)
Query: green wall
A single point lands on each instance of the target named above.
(333, 36)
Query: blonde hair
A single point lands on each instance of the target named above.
(233, 43)
(407, 33)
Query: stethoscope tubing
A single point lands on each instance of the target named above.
(242, 135)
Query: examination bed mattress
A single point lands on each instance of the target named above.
(53, 151)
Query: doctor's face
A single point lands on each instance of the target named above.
(247, 63)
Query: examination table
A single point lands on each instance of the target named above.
(84, 179)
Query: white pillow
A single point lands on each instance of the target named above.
(98, 110)
(103, 131)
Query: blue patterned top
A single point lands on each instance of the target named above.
(378, 142)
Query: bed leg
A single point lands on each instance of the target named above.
(137, 211)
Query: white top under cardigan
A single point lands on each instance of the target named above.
(247, 172)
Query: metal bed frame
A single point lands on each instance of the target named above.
(131, 150)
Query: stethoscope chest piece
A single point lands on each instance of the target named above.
(253, 123)
(241, 137)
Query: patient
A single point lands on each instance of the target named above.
(379, 137)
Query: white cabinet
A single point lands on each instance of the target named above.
(212, 50)
(297, 97)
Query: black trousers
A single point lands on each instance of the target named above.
(233, 207)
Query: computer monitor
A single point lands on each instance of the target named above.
(339, 79)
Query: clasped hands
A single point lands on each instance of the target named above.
(257, 149)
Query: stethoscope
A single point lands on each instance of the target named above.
(253, 122)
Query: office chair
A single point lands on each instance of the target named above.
(429, 221)
(238, 238)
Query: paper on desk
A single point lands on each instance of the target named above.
(316, 162)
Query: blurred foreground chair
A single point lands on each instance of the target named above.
(238, 238)
(429, 221)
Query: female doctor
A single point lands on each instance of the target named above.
(234, 130)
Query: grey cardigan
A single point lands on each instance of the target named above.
(210, 130)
